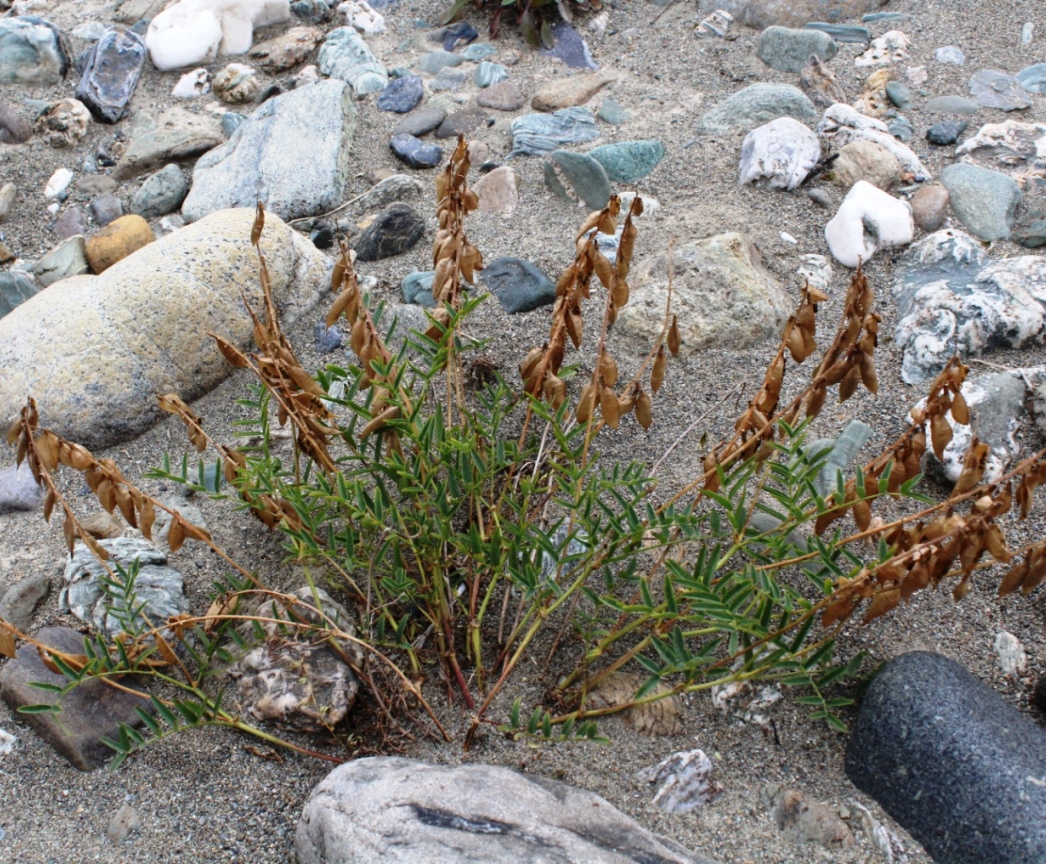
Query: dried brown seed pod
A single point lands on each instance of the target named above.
(657, 374)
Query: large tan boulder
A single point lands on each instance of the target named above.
(722, 295)
(95, 351)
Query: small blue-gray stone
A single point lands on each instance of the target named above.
(900, 128)
(420, 122)
(15, 289)
(951, 105)
(488, 73)
(629, 161)
(570, 48)
(535, 134)
(453, 34)
(1031, 231)
(611, 112)
(577, 176)
(952, 761)
(842, 32)
(399, 72)
(1033, 78)
(395, 230)
(873, 17)
(899, 95)
(311, 11)
(432, 62)
(448, 79)
(985, 201)
(518, 285)
(32, 51)
(787, 50)
(993, 88)
(161, 193)
(417, 288)
(755, 105)
(111, 73)
(461, 123)
(417, 154)
(946, 133)
(231, 122)
(479, 51)
(402, 94)
(327, 338)
(951, 55)
(105, 208)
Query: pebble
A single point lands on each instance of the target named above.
(1033, 78)
(993, 88)
(345, 55)
(787, 50)
(820, 84)
(930, 206)
(236, 84)
(869, 161)
(311, 11)
(868, 220)
(402, 95)
(420, 122)
(69, 224)
(58, 183)
(452, 35)
(611, 112)
(15, 288)
(432, 62)
(569, 92)
(461, 123)
(192, 85)
(498, 191)
(287, 50)
(415, 153)
(161, 193)
(8, 193)
(21, 600)
(899, 95)
(116, 241)
(951, 55)
(69, 258)
(363, 17)
(64, 123)
(842, 32)
(951, 105)
(1030, 231)
(18, 490)
(417, 288)
(13, 129)
(105, 208)
(901, 128)
(395, 230)
(891, 47)
(231, 121)
(488, 74)
(576, 177)
(779, 154)
(535, 134)
(123, 824)
(111, 73)
(31, 51)
(629, 161)
(946, 133)
(519, 285)
(478, 51)
(755, 105)
(819, 197)
(327, 338)
(448, 79)
(1027, 33)
(569, 47)
(715, 26)
(985, 201)
(503, 96)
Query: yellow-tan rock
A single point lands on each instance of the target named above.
(96, 351)
(117, 240)
(570, 91)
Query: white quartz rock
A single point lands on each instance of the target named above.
(190, 32)
(778, 154)
(359, 14)
(868, 220)
(842, 124)
(192, 84)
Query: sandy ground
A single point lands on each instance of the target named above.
(204, 797)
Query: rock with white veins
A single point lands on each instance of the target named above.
(778, 154)
(868, 220)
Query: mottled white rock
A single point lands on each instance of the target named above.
(891, 47)
(1013, 147)
(192, 84)
(684, 781)
(843, 124)
(868, 220)
(58, 183)
(190, 32)
(817, 270)
(1012, 659)
(778, 154)
(361, 16)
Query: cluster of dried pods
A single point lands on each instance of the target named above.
(540, 368)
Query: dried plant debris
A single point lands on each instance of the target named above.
(684, 781)
(659, 717)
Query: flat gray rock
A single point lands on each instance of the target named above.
(264, 159)
(88, 712)
(755, 105)
(985, 201)
(787, 50)
(957, 766)
(21, 600)
(388, 810)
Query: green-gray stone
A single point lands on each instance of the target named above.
(841, 453)
(842, 32)
(755, 105)
(15, 289)
(490, 73)
(574, 176)
(432, 62)
(479, 51)
(1031, 231)
(1033, 78)
(787, 50)
(629, 161)
(417, 288)
(345, 55)
(611, 112)
(899, 95)
(985, 201)
(951, 105)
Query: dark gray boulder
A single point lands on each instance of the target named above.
(961, 769)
